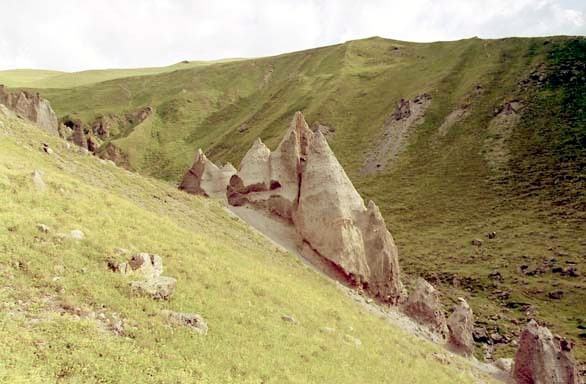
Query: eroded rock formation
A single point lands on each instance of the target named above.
(423, 305)
(205, 178)
(303, 183)
(543, 358)
(461, 328)
(272, 181)
(32, 107)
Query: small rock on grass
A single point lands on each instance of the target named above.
(159, 288)
(37, 177)
(505, 364)
(289, 319)
(191, 320)
(43, 228)
(353, 340)
(76, 234)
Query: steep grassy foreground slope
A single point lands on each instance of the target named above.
(470, 165)
(59, 301)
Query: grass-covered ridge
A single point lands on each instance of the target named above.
(38, 78)
(237, 280)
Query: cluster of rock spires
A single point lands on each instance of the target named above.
(32, 107)
(303, 183)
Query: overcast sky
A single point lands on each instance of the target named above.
(82, 34)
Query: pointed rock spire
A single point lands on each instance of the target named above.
(461, 326)
(424, 306)
(543, 358)
(205, 178)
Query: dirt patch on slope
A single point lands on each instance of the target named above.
(396, 131)
(453, 118)
(499, 130)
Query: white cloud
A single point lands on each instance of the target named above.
(75, 35)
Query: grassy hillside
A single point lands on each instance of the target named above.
(25, 77)
(58, 299)
(467, 168)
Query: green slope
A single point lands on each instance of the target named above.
(25, 77)
(526, 181)
(57, 295)
(56, 79)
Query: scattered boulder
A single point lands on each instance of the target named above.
(159, 288)
(504, 364)
(543, 359)
(491, 235)
(194, 321)
(76, 234)
(289, 319)
(37, 177)
(497, 338)
(43, 228)
(328, 330)
(149, 268)
(480, 335)
(32, 107)
(206, 179)
(353, 340)
(145, 264)
(461, 327)
(570, 271)
(495, 275)
(476, 242)
(423, 305)
(556, 295)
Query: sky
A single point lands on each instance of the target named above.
(73, 35)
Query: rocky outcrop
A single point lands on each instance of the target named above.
(113, 153)
(303, 183)
(206, 179)
(461, 327)
(32, 107)
(543, 358)
(423, 305)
